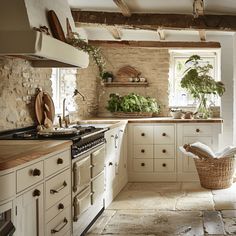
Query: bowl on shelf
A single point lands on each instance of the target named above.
(176, 113)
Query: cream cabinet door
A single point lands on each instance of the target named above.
(29, 213)
(188, 162)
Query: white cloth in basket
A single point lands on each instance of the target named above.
(229, 151)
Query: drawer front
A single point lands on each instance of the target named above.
(60, 225)
(197, 130)
(7, 186)
(82, 202)
(164, 165)
(57, 208)
(164, 151)
(164, 134)
(81, 174)
(143, 165)
(143, 151)
(97, 188)
(143, 135)
(57, 188)
(57, 162)
(98, 161)
(29, 175)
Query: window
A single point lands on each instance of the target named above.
(63, 86)
(179, 97)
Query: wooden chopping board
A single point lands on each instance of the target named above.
(55, 26)
(41, 99)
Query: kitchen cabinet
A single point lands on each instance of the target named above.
(190, 133)
(153, 149)
(30, 213)
(40, 194)
(115, 162)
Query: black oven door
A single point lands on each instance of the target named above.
(6, 226)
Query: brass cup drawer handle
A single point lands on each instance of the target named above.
(60, 226)
(53, 191)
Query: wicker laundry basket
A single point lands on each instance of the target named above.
(215, 173)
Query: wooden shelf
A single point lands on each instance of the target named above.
(126, 84)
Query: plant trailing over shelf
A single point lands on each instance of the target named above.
(93, 51)
(106, 75)
(198, 82)
(132, 103)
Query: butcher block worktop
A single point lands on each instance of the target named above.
(98, 120)
(17, 152)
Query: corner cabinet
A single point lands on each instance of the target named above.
(153, 150)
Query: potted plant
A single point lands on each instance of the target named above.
(132, 105)
(198, 82)
(107, 76)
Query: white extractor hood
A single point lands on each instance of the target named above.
(17, 37)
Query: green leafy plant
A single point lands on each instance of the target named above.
(198, 82)
(93, 51)
(106, 75)
(132, 103)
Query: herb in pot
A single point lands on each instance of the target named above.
(198, 82)
(107, 76)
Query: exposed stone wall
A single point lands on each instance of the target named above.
(152, 63)
(18, 83)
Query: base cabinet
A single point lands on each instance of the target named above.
(30, 213)
(116, 176)
(154, 154)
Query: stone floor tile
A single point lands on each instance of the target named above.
(230, 225)
(142, 200)
(101, 222)
(192, 186)
(222, 204)
(213, 223)
(194, 203)
(228, 213)
(159, 223)
(156, 187)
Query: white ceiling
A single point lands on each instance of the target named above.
(153, 6)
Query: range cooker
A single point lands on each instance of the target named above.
(84, 139)
(88, 155)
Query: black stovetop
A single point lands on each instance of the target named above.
(31, 133)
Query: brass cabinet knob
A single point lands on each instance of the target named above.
(197, 130)
(142, 150)
(164, 165)
(143, 134)
(163, 134)
(60, 206)
(142, 164)
(164, 150)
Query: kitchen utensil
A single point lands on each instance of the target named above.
(55, 26)
(41, 99)
(47, 122)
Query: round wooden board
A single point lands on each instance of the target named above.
(41, 99)
(55, 26)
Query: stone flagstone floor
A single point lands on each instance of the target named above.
(165, 209)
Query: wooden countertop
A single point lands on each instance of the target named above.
(17, 152)
(154, 120)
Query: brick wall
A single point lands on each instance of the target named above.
(154, 65)
(18, 83)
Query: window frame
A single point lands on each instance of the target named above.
(179, 54)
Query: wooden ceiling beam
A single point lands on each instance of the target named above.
(115, 32)
(198, 8)
(202, 35)
(154, 44)
(161, 34)
(156, 21)
(123, 7)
